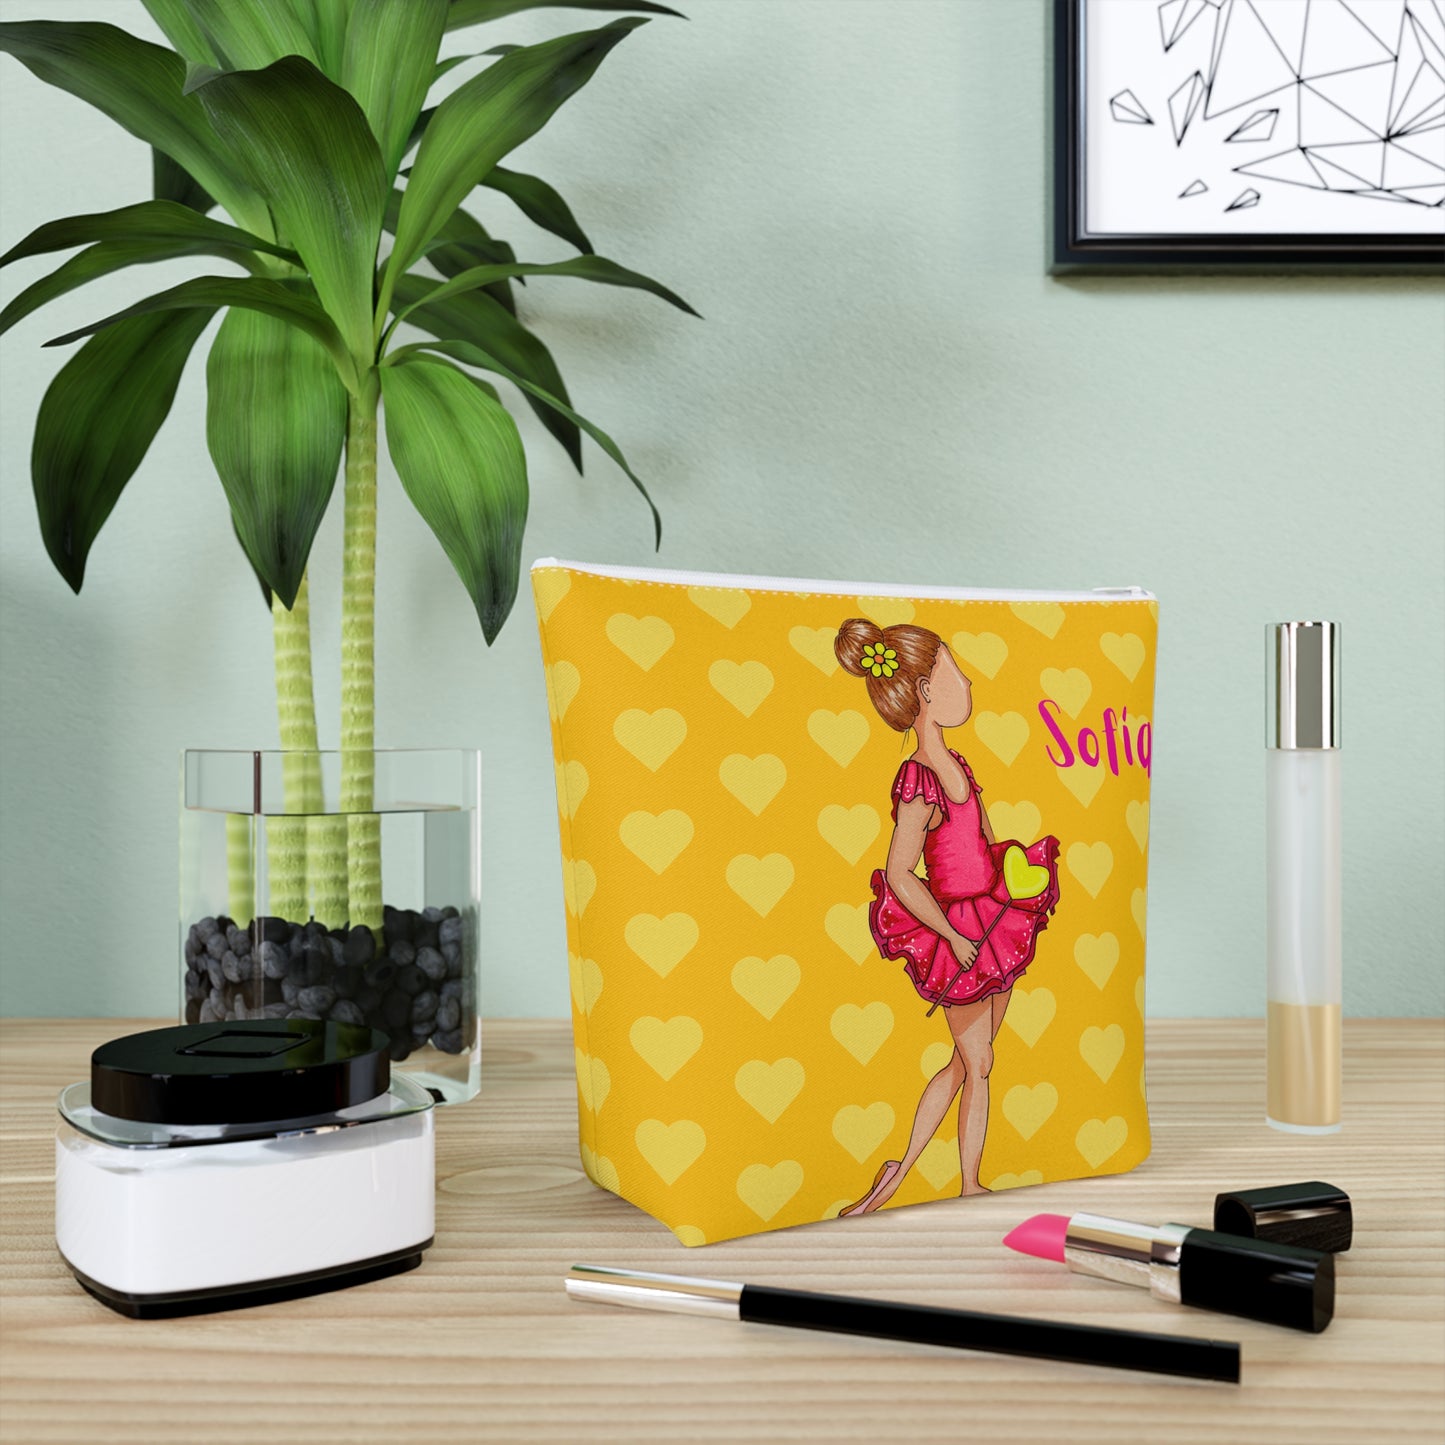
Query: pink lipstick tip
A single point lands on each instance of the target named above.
(1042, 1236)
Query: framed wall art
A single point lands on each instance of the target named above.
(1249, 135)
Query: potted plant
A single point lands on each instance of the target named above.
(307, 122)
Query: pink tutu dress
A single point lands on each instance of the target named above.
(965, 876)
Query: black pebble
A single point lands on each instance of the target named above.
(347, 980)
(402, 952)
(275, 930)
(360, 946)
(432, 964)
(346, 1012)
(411, 980)
(395, 1009)
(423, 1007)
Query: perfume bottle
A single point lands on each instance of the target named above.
(1302, 865)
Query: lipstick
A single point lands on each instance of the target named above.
(1258, 1279)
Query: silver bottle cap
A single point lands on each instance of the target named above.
(1303, 685)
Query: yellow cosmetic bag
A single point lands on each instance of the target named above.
(855, 881)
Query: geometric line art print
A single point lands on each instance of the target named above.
(1126, 107)
(1353, 90)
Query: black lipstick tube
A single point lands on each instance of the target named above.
(1257, 1279)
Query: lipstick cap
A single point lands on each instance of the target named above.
(1312, 1215)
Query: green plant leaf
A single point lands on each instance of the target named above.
(170, 182)
(96, 423)
(256, 293)
(275, 425)
(474, 12)
(156, 221)
(179, 26)
(139, 87)
(311, 155)
(390, 61)
(460, 458)
(101, 260)
(477, 356)
(539, 203)
(585, 268)
(464, 242)
(478, 318)
(250, 35)
(328, 27)
(481, 121)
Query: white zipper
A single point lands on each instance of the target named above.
(844, 589)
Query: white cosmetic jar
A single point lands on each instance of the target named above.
(166, 1203)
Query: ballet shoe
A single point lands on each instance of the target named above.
(871, 1200)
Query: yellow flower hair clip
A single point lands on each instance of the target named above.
(881, 661)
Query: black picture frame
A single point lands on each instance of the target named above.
(1073, 251)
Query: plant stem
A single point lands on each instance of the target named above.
(358, 632)
(240, 868)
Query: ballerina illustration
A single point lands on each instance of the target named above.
(968, 931)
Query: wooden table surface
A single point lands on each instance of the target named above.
(481, 1343)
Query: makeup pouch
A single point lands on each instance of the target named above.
(855, 880)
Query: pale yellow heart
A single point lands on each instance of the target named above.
(760, 882)
(656, 838)
(1016, 1181)
(1101, 1049)
(1097, 955)
(1138, 902)
(1139, 994)
(1030, 1011)
(938, 1163)
(666, 1046)
(549, 588)
(816, 644)
(1126, 652)
(1069, 689)
(766, 1190)
(862, 1031)
(1091, 864)
(887, 611)
(985, 652)
(1097, 1139)
(651, 737)
(850, 831)
(861, 1131)
(586, 979)
(661, 943)
(1015, 820)
(847, 925)
(572, 785)
(767, 983)
(1045, 617)
(728, 605)
(1136, 815)
(564, 680)
(1029, 1109)
(689, 1234)
(579, 883)
(594, 1081)
(671, 1149)
(840, 734)
(600, 1169)
(754, 782)
(1022, 878)
(770, 1088)
(1003, 734)
(744, 684)
(1082, 781)
(643, 639)
(934, 1057)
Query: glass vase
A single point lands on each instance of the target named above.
(295, 906)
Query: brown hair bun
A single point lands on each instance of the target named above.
(894, 698)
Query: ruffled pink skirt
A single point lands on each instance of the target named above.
(1009, 949)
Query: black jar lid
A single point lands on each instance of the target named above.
(1311, 1215)
(239, 1073)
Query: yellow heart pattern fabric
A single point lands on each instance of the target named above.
(746, 1059)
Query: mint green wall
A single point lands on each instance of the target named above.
(887, 385)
